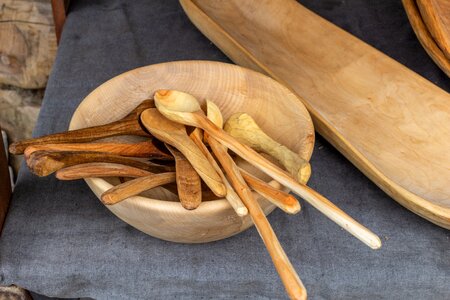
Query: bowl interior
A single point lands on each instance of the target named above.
(234, 89)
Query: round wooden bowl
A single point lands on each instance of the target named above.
(234, 89)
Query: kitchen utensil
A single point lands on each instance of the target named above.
(387, 120)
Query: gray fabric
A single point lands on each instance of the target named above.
(59, 240)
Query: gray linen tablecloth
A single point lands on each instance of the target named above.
(59, 240)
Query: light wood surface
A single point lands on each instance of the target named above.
(188, 181)
(185, 109)
(387, 120)
(294, 286)
(175, 134)
(424, 36)
(436, 16)
(231, 195)
(242, 127)
(233, 89)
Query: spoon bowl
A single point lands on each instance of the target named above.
(234, 89)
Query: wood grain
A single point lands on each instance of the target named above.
(92, 170)
(424, 36)
(128, 125)
(158, 212)
(44, 163)
(142, 149)
(387, 120)
(436, 16)
(231, 195)
(175, 134)
(136, 186)
(188, 181)
(242, 127)
(185, 109)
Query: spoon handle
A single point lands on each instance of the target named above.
(136, 186)
(288, 275)
(124, 127)
(91, 170)
(44, 163)
(283, 200)
(231, 196)
(314, 198)
(142, 149)
(188, 181)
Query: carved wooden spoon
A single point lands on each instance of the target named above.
(43, 163)
(288, 275)
(231, 195)
(242, 127)
(175, 134)
(188, 181)
(184, 108)
(129, 125)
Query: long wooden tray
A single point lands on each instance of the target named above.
(391, 123)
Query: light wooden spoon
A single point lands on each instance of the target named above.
(184, 108)
(92, 170)
(231, 195)
(188, 181)
(288, 275)
(242, 127)
(175, 134)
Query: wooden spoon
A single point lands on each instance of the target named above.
(175, 134)
(231, 195)
(288, 275)
(129, 125)
(98, 170)
(184, 108)
(142, 149)
(43, 163)
(136, 186)
(281, 199)
(242, 127)
(188, 181)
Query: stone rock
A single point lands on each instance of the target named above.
(27, 42)
(19, 110)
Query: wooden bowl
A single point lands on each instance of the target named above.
(234, 89)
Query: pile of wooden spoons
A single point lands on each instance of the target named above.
(189, 156)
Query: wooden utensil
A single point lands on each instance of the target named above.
(188, 181)
(184, 108)
(424, 36)
(231, 195)
(243, 128)
(43, 163)
(281, 199)
(93, 170)
(143, 149)
(175, 134)
(135, 187)
(159, 213)
(129, 125)
(436, 16)
(288, 275)
(386, 119)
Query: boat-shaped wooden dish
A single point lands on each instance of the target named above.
(391, 123)
(234, 89)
